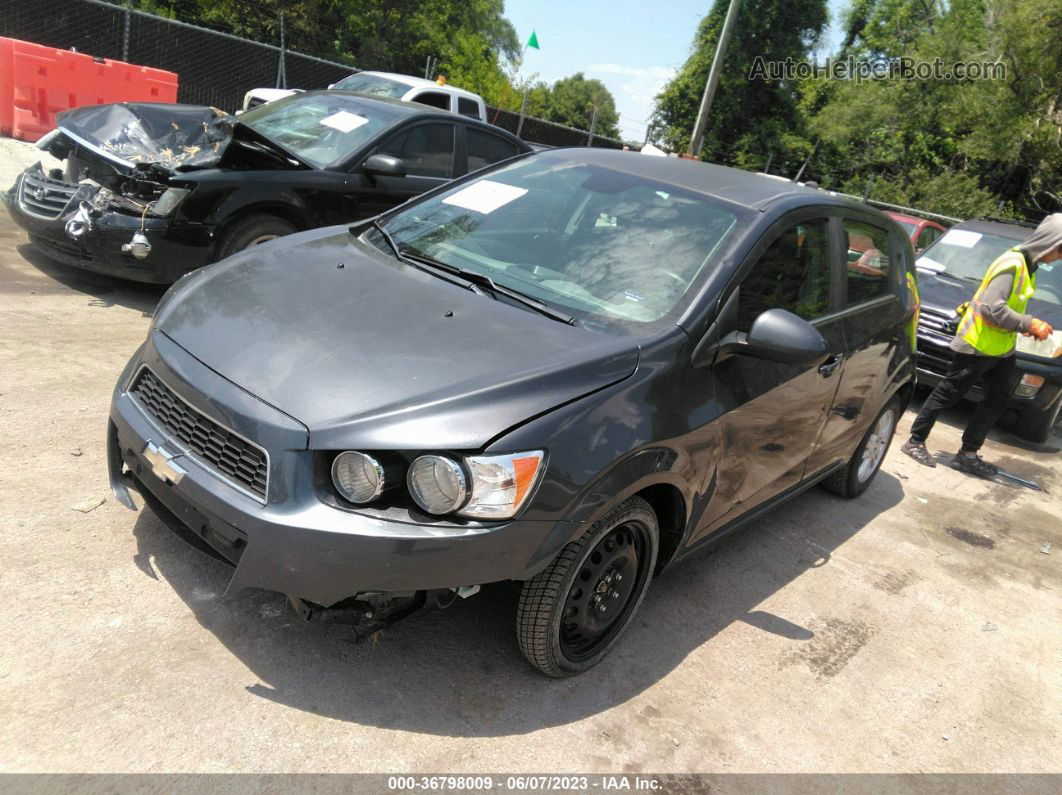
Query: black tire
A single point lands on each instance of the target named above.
(1036, 427)
(851, 481)
(251, 230)
(626, 542)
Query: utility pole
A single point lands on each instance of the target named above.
(523, 111)
(593, 123)
(713, 78)
(282, 72)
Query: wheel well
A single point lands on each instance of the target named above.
(283, 211)
(905, 393)
(670, 509)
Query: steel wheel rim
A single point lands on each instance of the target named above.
(874, 449)
(612, 576)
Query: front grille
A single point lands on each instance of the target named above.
(44, 197)
(230, 455)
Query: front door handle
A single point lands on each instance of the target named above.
(827, 367)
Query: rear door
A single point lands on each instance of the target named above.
(874, 321)
(775, 411)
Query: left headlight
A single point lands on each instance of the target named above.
(168, 201)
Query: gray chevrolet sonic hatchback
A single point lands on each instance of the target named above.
(568, 371)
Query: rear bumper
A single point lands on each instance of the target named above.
(295, 543)
(175, 250)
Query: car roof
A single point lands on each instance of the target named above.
(1015, 230)
(745, 188)
(911, 219)
(420, 82)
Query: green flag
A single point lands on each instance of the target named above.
(533, 41)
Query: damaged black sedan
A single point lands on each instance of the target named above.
(568, 371)
(150, 192)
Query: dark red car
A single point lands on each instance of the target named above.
(922, 231)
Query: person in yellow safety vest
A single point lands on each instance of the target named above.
(983, 348)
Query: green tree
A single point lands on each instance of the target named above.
(750, 119)
(574, 100)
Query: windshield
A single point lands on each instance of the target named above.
(371, 84)
(967, 254)
(322, 129)
(589, 240)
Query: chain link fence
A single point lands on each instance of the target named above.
(214, 68)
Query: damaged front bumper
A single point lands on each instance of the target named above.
(46, 207)
(334, 565)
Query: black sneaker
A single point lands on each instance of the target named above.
(975, 465)
(918, 451)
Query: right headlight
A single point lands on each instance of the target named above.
(479, 487)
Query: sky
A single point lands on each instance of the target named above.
(632, 46)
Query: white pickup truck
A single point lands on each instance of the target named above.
(388, 84)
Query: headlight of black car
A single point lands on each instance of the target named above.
(477, 487)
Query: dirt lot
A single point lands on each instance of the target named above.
(916, 628)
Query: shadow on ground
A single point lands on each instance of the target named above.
(459, 672)
(105, 291)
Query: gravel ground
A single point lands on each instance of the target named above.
(913, 629)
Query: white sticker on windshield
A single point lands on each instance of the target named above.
(961, 237)
(485, 196)
(344, 121)
(927, 264)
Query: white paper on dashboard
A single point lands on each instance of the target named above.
(925, 263)
(485, 196)
(344, 121)
(961, 237)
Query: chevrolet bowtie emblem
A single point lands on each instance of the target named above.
(162, 464)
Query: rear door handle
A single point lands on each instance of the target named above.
(827, 367)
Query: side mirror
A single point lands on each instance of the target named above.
(777, 335)
(384, 166)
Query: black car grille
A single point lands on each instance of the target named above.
(936, 328)
(936, 321)
(43, 197)
(221, 449)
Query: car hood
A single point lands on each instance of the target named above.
(164, 136)
(945, 293)
(371, 353)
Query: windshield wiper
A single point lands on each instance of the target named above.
(401, 256)
(475, 278)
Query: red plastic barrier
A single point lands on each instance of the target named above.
(37, 82)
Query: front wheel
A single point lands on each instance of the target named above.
(1036, 426)
(864, 464)
(571, 614)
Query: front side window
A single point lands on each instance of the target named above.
(485, 149)
(792, 274)
(426, 149)
(597, 243)
(468, 107)
(869, 273)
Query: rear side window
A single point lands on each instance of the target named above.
(484, 148)
(868, 269)
(426, 149)
(468, 107)
(793, 273)
(435, 99)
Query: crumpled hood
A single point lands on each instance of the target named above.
(370, 353)
(172, 136)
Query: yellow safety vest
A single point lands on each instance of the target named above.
(982, 335)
